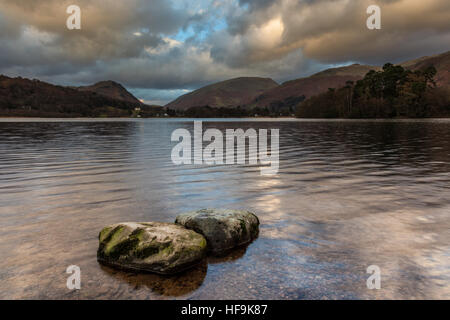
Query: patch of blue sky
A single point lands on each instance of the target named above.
(201, 31)
(221, 24)
(184, 34)
(208, 17)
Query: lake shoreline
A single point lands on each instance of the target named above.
(222, 118)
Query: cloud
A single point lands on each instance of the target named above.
(172, 46)
(108, 27)
(335, 31)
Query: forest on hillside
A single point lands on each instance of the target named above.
(390, 93)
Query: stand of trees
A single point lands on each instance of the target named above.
(392, 92)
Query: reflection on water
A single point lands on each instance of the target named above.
(349, 194)
(171, 286)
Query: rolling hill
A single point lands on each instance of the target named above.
(291, 92)
(229, 93)
(112, 90)
(35, 98)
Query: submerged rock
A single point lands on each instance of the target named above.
(163, 248)
(223, 229)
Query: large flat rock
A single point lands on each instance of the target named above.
(163, 248)
(223, 229)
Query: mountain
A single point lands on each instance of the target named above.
(112, 90)
(292, 92)
(229, 93)
(440, 61)
(25, 97)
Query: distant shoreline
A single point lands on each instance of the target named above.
(220, 119)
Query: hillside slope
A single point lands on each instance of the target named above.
(294, 91)
(440, 61)
(112, 90)
(229, 93)
(25, 97)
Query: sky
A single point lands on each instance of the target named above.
(160, 49)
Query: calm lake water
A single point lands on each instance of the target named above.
(349, 194)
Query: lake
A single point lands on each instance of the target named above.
(348, 195)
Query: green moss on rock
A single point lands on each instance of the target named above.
(156, 247)
(104, 233)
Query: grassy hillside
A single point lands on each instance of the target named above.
(230, 93)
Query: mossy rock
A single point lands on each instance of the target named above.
(163, 248)
(223, 229)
